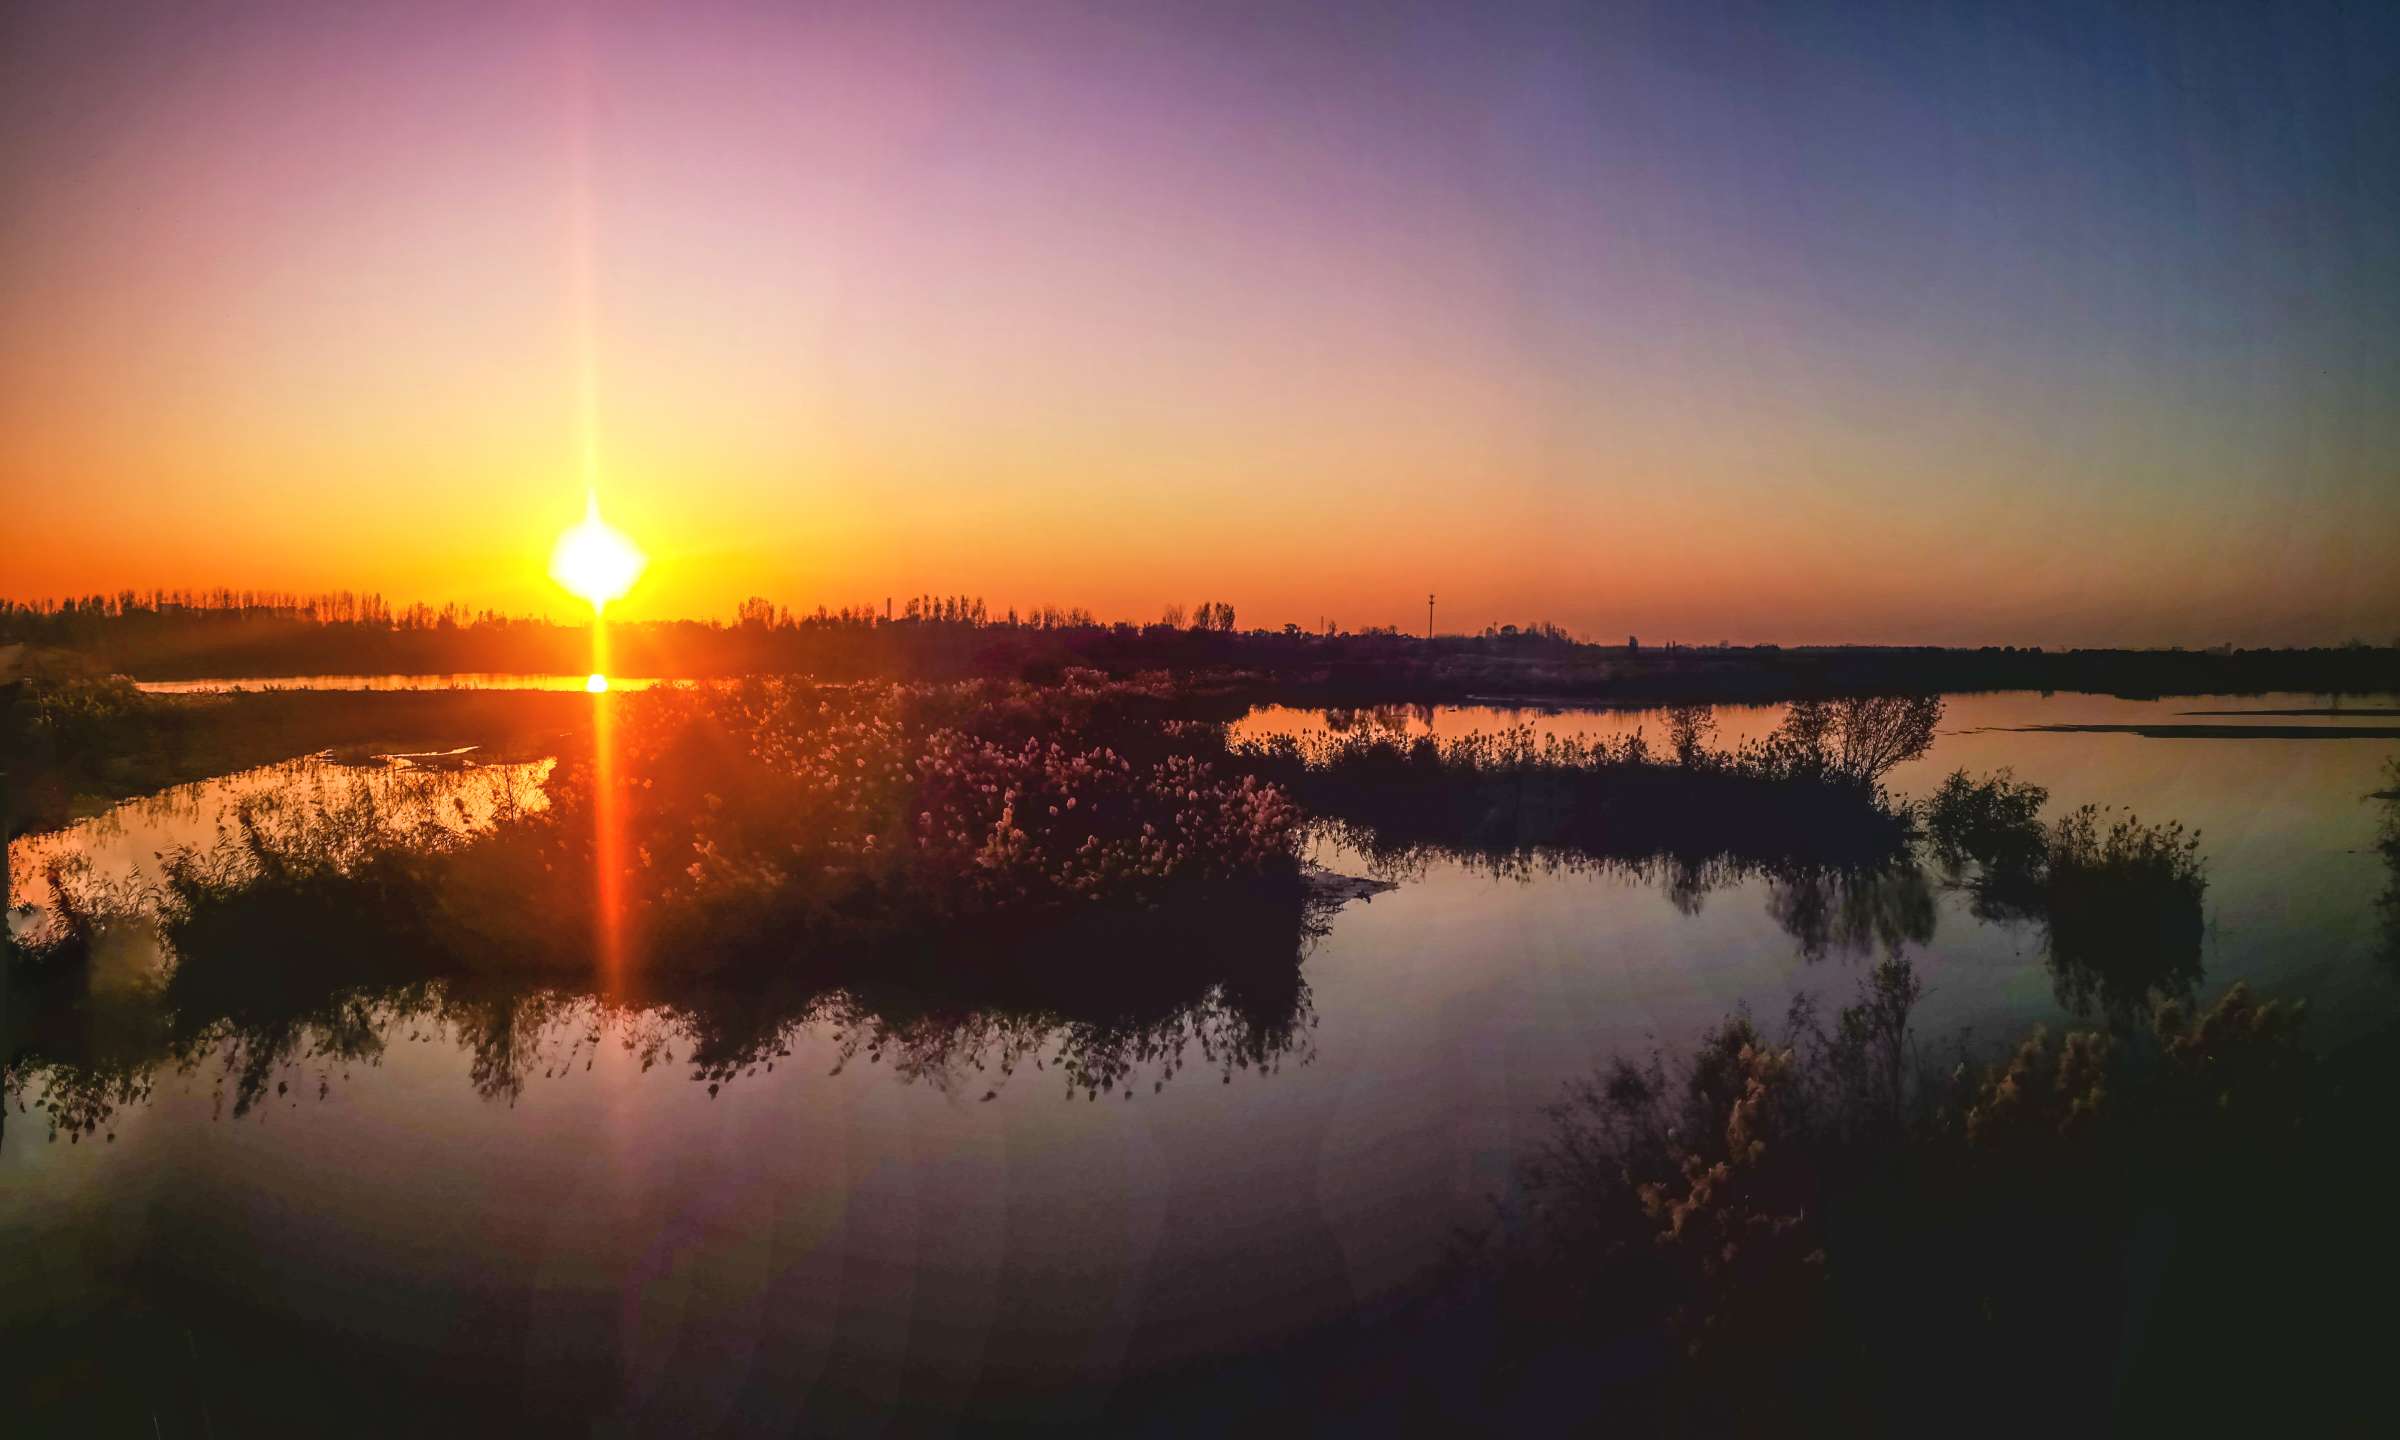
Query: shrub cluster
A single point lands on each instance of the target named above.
(783, 802)
(1794, 1231)
(2119, 900)
(1516, 793)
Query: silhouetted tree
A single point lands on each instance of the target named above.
(1688, 729)
(1878, 732)
(1859, 737)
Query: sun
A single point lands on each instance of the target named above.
(594, 560)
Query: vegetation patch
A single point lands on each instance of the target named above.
(2119, 900)
(1830, 1228)
(1811, 792)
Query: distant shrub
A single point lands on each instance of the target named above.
(2119, 900)
(1514, 792)
(2123, 906)
(1995, 821)
(1688, 730)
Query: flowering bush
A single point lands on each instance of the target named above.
(2039, 1091)
(2241, 1062)
(869, 803)
(1736, 1218)
(1794, 1259)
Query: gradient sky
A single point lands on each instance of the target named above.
(1908, 322)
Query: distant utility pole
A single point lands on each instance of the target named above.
(1429, 614)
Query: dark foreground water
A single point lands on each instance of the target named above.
(550, 1212)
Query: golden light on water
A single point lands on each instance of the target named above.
(596, 561)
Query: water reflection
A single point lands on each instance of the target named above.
(1827, 908)
(261, 1018)
(2116, 904)
(2387, 844)
(1855, 910)
(1395, 720)
(2115, 908)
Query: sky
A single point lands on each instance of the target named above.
(1902, 323)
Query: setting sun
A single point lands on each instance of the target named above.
(594, 560)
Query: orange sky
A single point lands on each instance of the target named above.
(1745, 343)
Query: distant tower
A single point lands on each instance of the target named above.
(1429, 615)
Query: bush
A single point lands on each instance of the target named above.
(1810, 1271)
(1514, 794)
(2120, 906)
(2124, 911)
(1995, 821)
(783, 801)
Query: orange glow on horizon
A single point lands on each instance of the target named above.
(1741, 380)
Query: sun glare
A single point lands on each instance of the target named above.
(596, 683)
(596, 561)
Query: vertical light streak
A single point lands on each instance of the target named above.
(608, 837)
(608, 823)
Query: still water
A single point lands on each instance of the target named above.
(578, 1211)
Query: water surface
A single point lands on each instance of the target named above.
(558, 1204)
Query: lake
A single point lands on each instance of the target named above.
(558, 1206)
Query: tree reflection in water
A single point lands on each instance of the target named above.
(1854, 910)
(263, 1011)
(2116, 902)
(273, 986)
(2387, 843)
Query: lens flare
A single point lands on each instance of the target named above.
(597, 683)
(596, 561)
